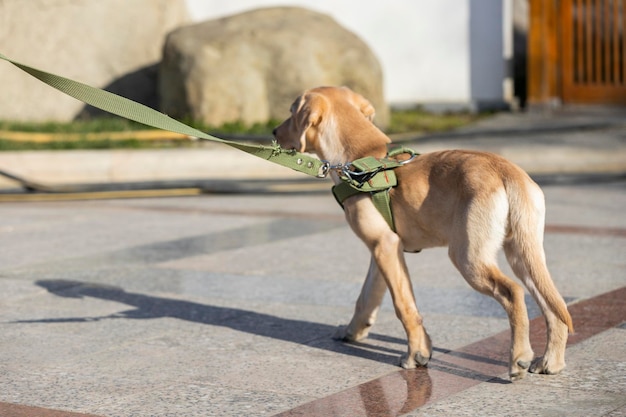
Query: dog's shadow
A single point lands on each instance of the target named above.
(316, 335)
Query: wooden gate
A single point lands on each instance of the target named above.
(577, 51)
(594, 51)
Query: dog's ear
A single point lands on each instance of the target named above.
(368, 110)
(364, 106)
(309, 111)
(306, 111)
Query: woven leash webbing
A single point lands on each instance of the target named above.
(132, 110)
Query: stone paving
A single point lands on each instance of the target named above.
(225, 304)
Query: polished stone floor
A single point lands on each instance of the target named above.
(226, 304)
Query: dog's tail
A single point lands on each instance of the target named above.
(524, 246)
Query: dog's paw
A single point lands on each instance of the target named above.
(340, 333)
(413, 361)
(344, 333)
(520, 365)
(544, 366)
(519, 371)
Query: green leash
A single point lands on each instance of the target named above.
(132, 110)
(369, 174)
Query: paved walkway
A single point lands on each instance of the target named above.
(224, 304)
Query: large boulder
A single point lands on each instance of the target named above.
(106, 43)
(250, 67)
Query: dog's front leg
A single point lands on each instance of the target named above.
(367, 306)
(387, 253)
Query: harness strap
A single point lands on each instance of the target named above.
(380, 194)
(382, 202)
(374, 176)
(132, 110)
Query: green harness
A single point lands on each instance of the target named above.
(374, 176)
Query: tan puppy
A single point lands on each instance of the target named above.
(473, 202)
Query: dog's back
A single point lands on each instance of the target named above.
(440, 193)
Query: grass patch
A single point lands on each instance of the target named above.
(93, 133)
(417, 120)
(236, 128)
(104, 124)
(83, 143)
(103, 133)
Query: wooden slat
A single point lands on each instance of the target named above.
(589, 41)
(606, 41)
(579, 45)
(623, 40)
(543, 53)
(616, 42)
(569, 40)
(597, 41)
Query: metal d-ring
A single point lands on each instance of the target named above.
(406, 161)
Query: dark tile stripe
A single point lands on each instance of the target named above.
(16, 410)
(403, 391)
(586, 230)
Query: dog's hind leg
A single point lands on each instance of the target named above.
(367, 306)
(474, 255)
(553, 359)
(525, 253)
(489, 280)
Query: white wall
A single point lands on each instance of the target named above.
(424, 46)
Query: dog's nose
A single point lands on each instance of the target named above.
(274, 131)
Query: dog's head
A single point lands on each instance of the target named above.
(319, 113)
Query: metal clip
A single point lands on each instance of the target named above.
(324, 170)
(359, 178)
(345, 169)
